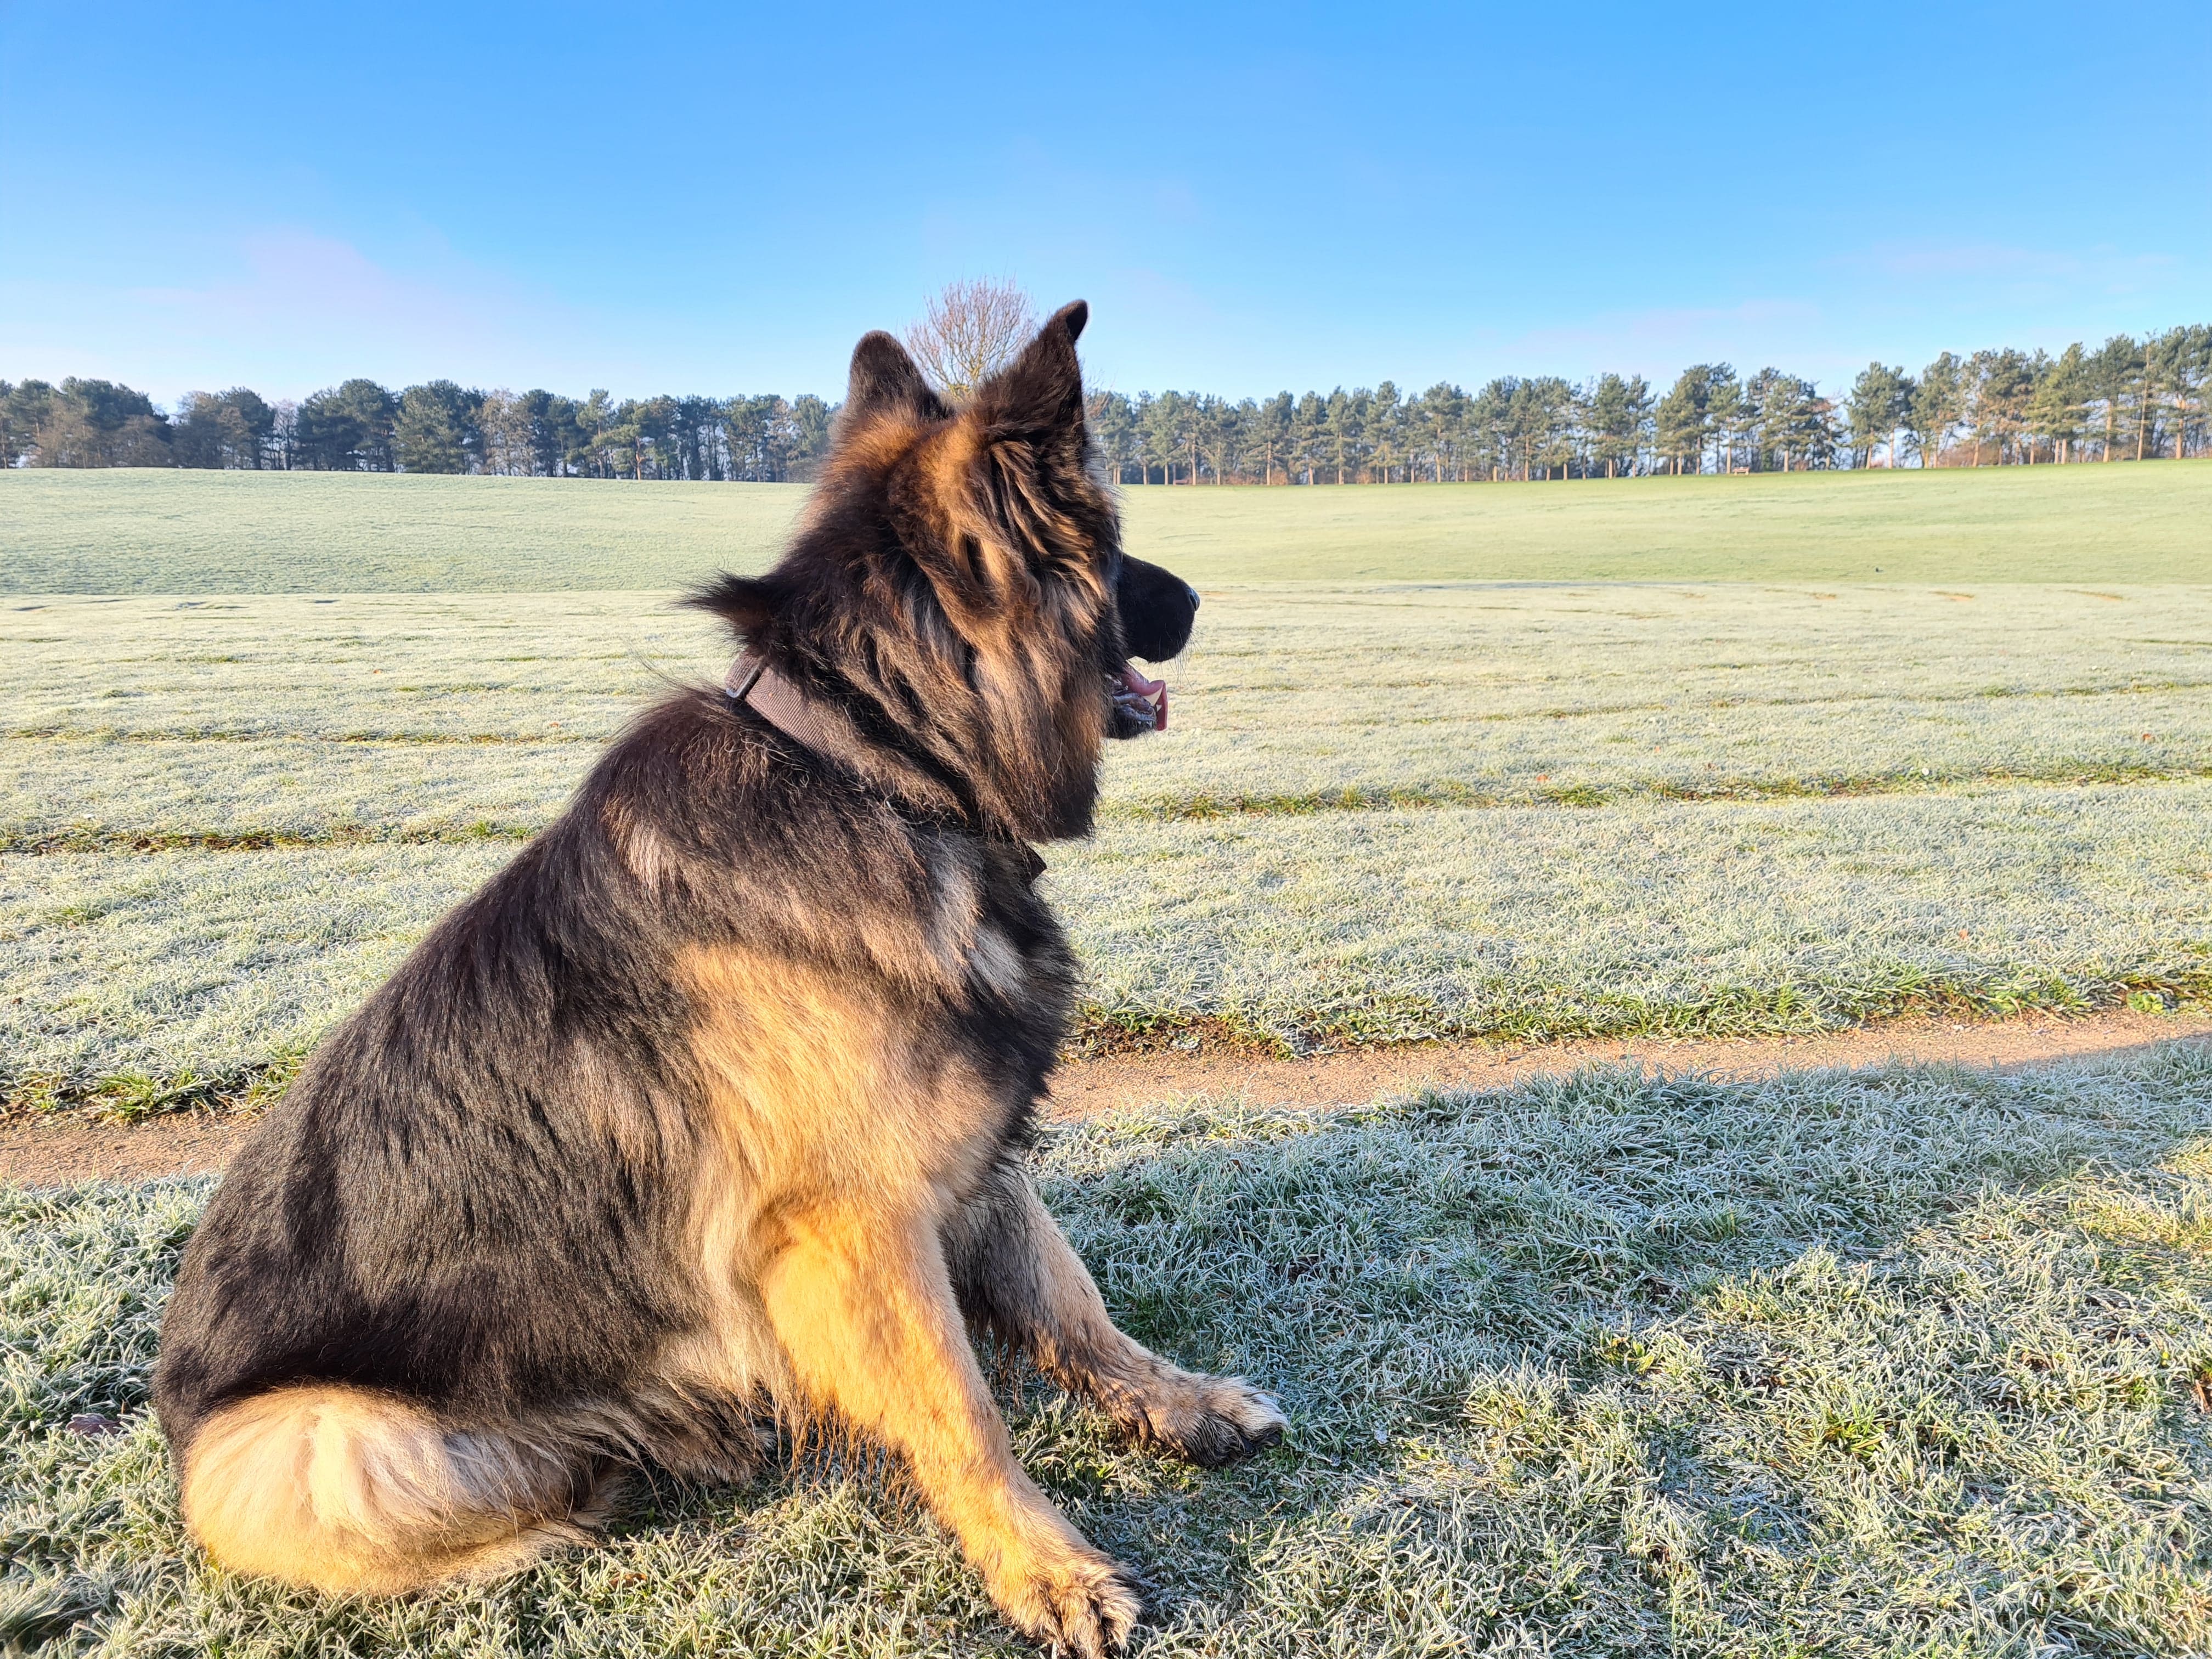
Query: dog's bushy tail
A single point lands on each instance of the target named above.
(345, 1489)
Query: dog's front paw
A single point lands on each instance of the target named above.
(1082, 1604)
(1212, 1420)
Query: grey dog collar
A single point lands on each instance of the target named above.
(826, 729)
(806, 721)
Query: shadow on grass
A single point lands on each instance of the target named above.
(1904, 1361)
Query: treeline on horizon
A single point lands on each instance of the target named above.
(2129, 399)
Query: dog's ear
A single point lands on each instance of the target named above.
(1038, 396)
(1012, 481)
(884, 381)
(746, 603)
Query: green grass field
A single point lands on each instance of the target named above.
(248, 532)
(1914, 1362)
(1382, 812)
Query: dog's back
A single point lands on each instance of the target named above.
(499, 1225)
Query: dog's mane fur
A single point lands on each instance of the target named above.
(985, 533)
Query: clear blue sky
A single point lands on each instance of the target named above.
(721, 198)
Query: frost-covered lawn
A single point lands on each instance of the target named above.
(349, 711)
(161, 531)
(1912, 1363)
(1907, 1363)
(1381, 811)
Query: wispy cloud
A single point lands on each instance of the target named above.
(294, 277)
(1677, 333)
(288, 310)
(1661, 340)
(2104, 268)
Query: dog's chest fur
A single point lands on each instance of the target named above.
(830, 1093)
(915, 1072)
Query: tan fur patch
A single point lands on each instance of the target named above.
(345, 1490)
(650, 858)
(846, 1149)
(996, 963)
(821, 1086)
(818, 1093)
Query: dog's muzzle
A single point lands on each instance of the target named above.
(1158, 608)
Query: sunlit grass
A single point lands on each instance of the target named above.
(292, 717)
(1683, 918)
(1380, 813)
(210, 532)
(1907, 1363)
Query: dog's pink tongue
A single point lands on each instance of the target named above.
(1154, 692)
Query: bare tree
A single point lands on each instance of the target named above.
(969, 331)
(505, 424)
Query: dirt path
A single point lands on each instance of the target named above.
(51, 1151)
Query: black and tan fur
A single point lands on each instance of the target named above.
(712, 1101)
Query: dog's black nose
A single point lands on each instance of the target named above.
(1153, 625)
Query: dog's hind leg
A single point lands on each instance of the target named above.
(860, 1301)
(344, 1490)
(1019, 1279)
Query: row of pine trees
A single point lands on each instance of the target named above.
(436, 426)
(2129, 399)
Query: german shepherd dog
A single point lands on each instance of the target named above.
(712, 1105)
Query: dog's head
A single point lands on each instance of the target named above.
(958, 585)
